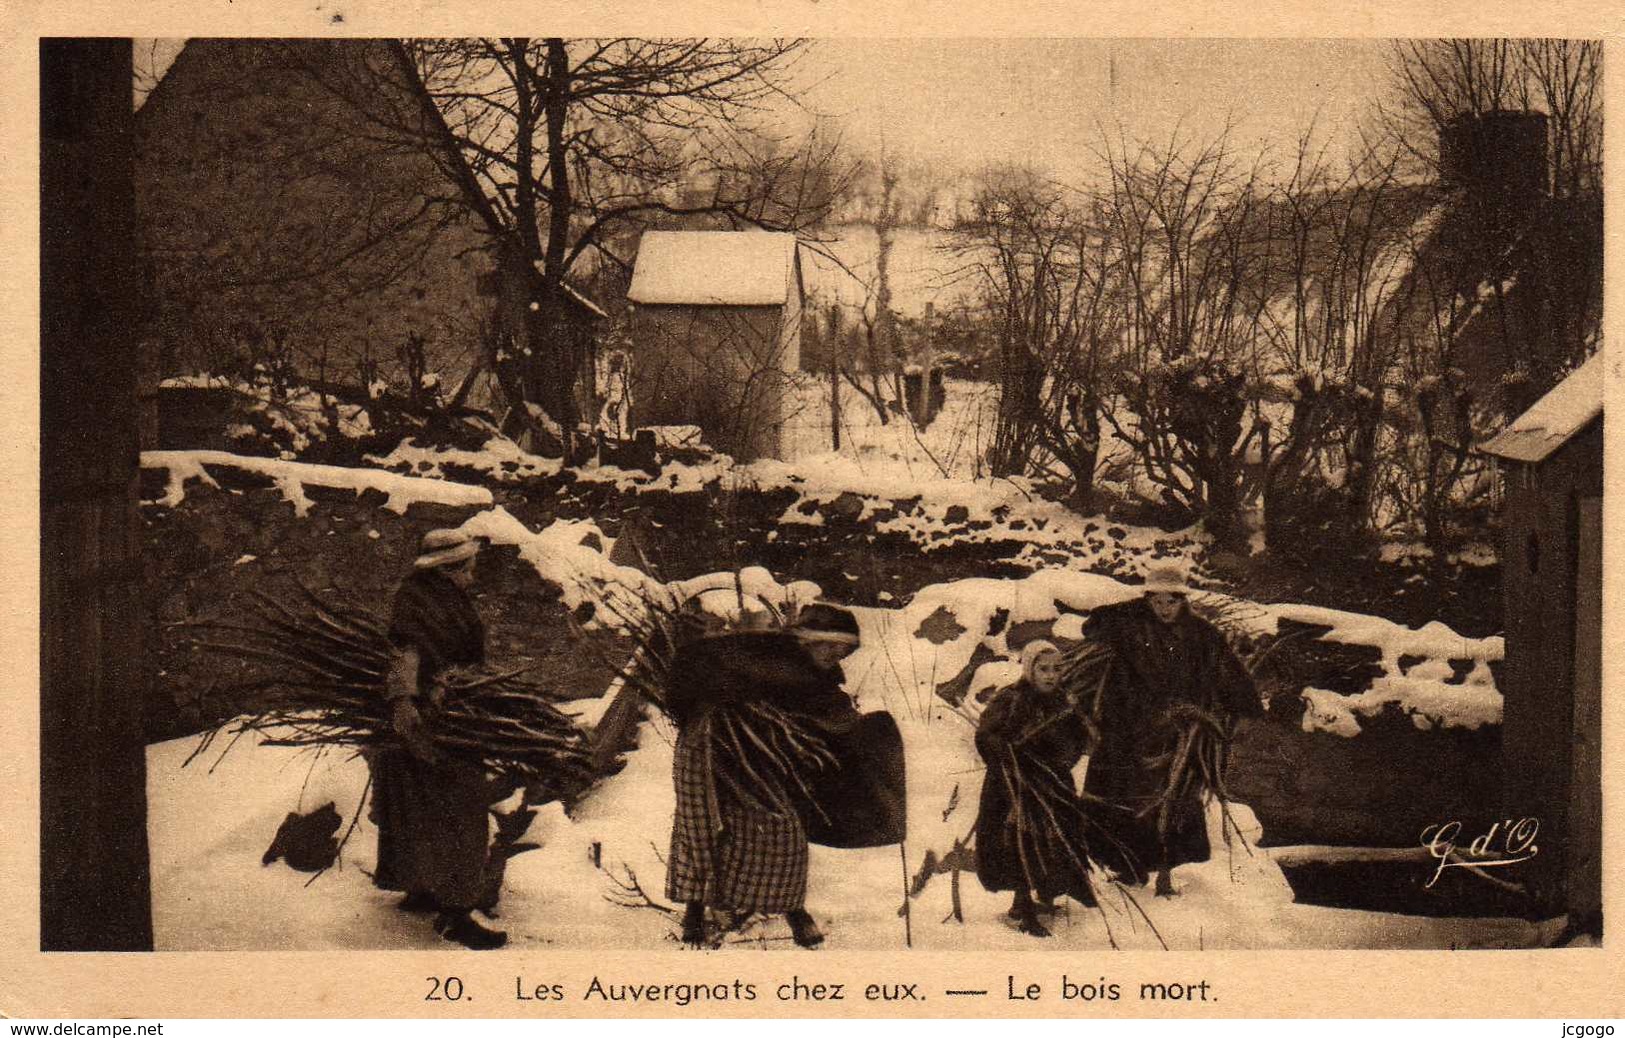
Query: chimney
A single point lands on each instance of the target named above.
(1498, 157)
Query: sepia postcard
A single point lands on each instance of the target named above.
(811, 512)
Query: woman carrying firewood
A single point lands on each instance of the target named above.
(432, 811)
(754, 711)
(1029, 825)
(1166, 713)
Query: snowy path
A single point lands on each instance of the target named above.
(210, 891)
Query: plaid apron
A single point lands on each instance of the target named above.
(725, 854)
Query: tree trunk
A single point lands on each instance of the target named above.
(1221, 476)
(1361, 481)
(94, 872)
(1084, 453)
(834, 405)
(566, 355)
(1224, 505)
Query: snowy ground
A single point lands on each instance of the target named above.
(209, 829)
(210, 892)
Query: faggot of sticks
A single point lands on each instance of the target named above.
(328, 669)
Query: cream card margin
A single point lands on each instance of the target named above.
(1576, 984)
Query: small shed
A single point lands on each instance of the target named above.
(716, 333)
(1551, 571)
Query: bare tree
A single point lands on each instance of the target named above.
(1334, 239)
(1045, 269)
(1443, 79)
(564, 149)
(571, 142)
(888, 195)
(1556, 246)
(1432, 474)
(1182, 216)
(1564, 78)
(1438, 81)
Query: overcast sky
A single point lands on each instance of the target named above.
(970, 102)
(976, 101)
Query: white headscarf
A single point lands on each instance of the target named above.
(1030, 654)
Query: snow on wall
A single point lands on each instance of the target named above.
(1434, 640)
(1422, 694)
(499, 458)
(574, 554)
(291, 477)
(903, 659)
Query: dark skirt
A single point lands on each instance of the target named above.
(433, 829)
(725, 854)
(1032, 842)
(1135, 847)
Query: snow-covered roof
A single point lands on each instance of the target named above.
(714, 268)
(1555, 418)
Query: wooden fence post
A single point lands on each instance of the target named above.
(94, 872)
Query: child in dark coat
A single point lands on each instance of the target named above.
(1030, 825)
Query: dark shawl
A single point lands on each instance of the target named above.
(762, 666)
(854, 794)
(433, 833)
(1155, 667)
(437, 618)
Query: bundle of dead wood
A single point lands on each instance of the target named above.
(1195, 767)
(767, 755)
(323, 668)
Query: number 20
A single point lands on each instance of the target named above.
(448, 990)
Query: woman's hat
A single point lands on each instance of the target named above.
(820, 622)
(444, 548)
(1167, 579)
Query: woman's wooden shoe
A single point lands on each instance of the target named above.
(465, 930)
(803, 929)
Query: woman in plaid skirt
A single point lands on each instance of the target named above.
(738, 841)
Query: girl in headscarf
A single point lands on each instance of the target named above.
(1029, 826)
